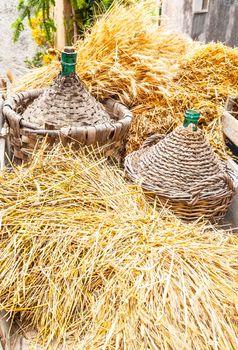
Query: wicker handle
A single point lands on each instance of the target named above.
(152, 140)
(196, 190)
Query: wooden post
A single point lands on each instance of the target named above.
(62, 15)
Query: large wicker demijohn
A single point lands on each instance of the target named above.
(65, 111)
(182, 171)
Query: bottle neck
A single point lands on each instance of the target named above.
(68, 61)
(191, 117)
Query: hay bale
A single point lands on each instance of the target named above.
(85, 259)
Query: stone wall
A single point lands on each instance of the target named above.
(12, 55)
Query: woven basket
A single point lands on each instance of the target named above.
(183, 172)
(26, 136)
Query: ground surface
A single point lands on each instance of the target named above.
(12, 55)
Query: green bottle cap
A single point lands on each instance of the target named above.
(191, 117)
(68, 61)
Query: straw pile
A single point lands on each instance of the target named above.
(206, 76)
(85, 259)
(125, 55)
(156, 73)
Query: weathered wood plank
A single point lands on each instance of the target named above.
(2, 139)
(231, 217)
(4, 332)
(233, 166)
(230, 127)
(233, 173)
(232, 104)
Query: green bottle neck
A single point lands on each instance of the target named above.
(68, 61)
(191, 117)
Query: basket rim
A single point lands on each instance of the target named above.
(15, 100)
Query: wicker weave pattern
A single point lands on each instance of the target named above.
(184, 172)
(26, 137)
(66, 102)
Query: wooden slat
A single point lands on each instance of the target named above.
(2, 140)
(231, 217)
(233, 166)
(4, 332)
(230, 127)
(232, 214)
(232, 104)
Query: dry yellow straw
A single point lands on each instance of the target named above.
(87, 262)
(156, 73)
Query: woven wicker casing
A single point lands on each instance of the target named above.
(25, 137)
(182, 171)
(66, 102)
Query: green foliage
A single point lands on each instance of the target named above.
(29, 8)
(87, 10)
(18, 27)
(36, 61)
(49, 27)
(84, 14)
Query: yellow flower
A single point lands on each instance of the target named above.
(48, 58)
(36, 21)
(39, 36)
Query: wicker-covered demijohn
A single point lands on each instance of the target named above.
(183, 172)
(65, 111)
